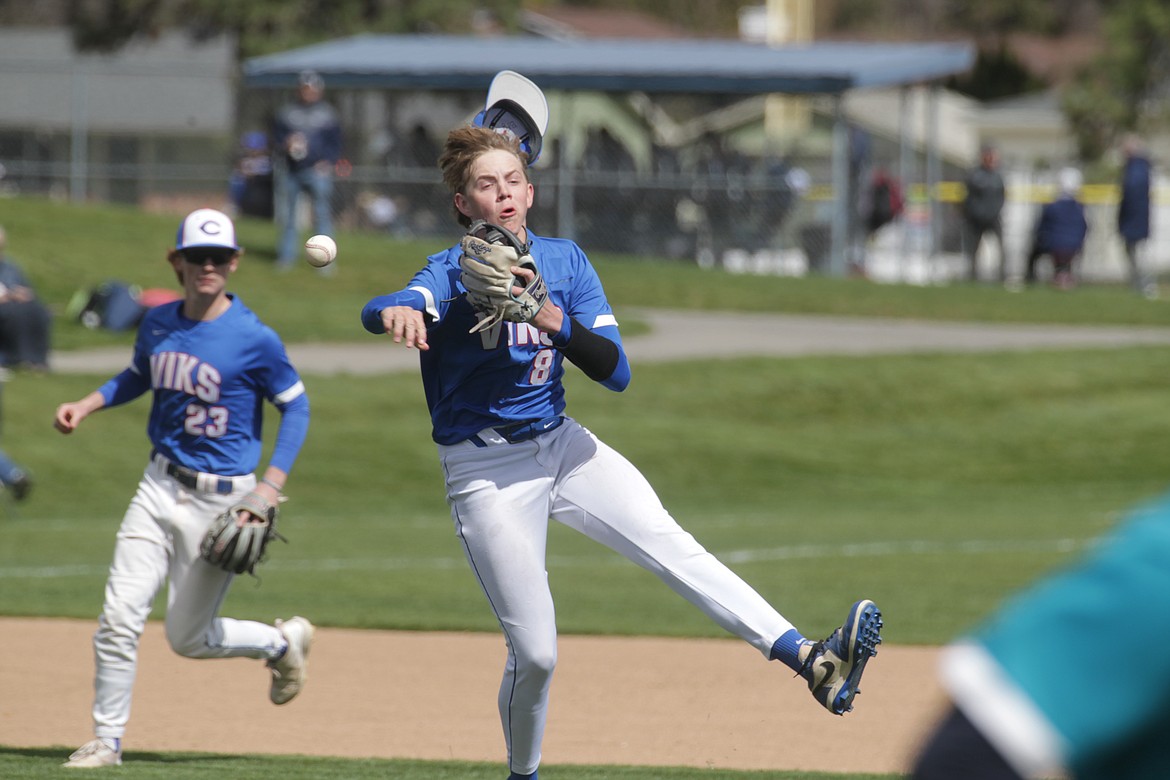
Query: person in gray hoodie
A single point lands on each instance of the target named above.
(981, 211)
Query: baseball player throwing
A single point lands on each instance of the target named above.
(210, 363)
(492, 357)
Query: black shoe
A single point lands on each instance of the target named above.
(20, 486)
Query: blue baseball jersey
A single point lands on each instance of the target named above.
(210, 380)
(506, 373)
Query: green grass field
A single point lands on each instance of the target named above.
(935, 484)
(974, 471)
(65, 248)
(34, 764)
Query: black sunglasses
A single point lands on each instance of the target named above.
(199, 256)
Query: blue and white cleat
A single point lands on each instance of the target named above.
(833, 667)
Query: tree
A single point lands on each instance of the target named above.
(991, 22)
(264, 26)
(1127, 86)
(997, 74)
(704, 18)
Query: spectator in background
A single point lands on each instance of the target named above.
(885, 200)
(251, 179)
(15, 479)
(982, 206)
(1133, 211)
(860, 150)
(423, 149)
(881, 203)
(308, 134)
(25, 321)
(1060, 231)
(379, 211)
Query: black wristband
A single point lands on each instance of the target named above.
(596, 355)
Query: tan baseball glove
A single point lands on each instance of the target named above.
(489, 253)
(239, 548)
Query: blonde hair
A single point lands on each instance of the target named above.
(463, 147)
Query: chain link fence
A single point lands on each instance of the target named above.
(703, 204)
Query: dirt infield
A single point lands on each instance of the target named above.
(706, 703)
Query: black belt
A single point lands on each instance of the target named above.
(189, 478)
(523, 430)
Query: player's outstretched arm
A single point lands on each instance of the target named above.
(70, 415)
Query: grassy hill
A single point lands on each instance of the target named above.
(66, 248)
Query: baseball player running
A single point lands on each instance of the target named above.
(512, 459)
(210, 363)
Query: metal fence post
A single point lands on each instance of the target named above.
(842, 197)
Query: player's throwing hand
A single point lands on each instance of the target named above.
(69, 415)
(406, 326)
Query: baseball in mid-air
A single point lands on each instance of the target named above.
(321, 251)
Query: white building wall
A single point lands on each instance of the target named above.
(881, 111)
(165, 84)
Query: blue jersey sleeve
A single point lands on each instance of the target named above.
(372, 311)
(430, 291)
(135, 380)
(588, 305)
(290, 437)
(285, 390)
(619, 380)
(124, 387)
